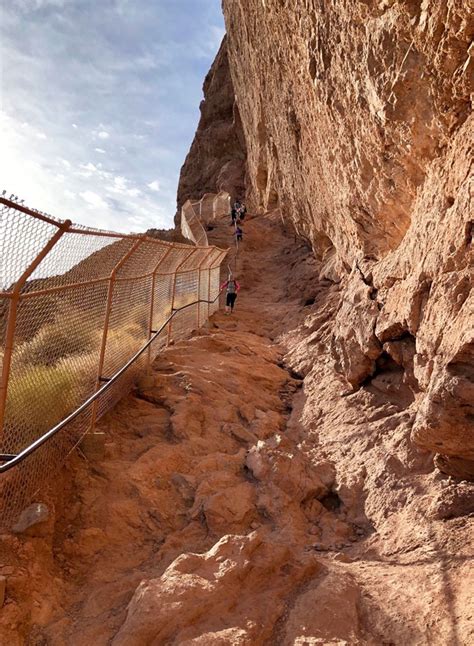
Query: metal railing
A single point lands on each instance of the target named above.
(12, 460)
(82, 313)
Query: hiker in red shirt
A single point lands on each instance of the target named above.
(231, 288)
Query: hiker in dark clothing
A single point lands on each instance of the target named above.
(242, 212)
(231, 289)
(236, 209)
(238, 233)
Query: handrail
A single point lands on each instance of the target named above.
(14, 460)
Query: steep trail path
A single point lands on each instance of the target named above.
(173, 478)
(235, 498)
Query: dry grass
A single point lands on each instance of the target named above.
(55, 371)
(39, 397)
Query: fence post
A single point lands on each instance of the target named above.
(173, 293)
(152, 300)
(209, 289)
(211, 250)
(108, 308)
(215, 265)
(209, 292)
(15, 298)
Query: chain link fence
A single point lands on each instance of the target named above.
(77, 305)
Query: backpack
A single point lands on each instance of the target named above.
(231, 287)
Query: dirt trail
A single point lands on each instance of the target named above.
(239, 504)
(174, 478)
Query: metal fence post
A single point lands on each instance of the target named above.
(209, 292)
(108, 309)
(211, 250)
(152, 300)
(15, 297)
(216, 265)
(173, 293)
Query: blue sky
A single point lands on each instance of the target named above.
(99, 102)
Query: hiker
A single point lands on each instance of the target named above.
(242, 212)
(238, 233)
(231, 289)
(235, 212)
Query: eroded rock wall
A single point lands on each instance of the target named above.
(216, 160)
(357, 120)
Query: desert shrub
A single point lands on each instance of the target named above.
(39, 397)
(55, 341)
(122, 343)
(136, 317)
(55, 371)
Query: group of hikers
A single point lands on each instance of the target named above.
(231, 285)
(237, 214)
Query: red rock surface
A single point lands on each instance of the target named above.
(216, 160)
(240, 503)
(357, 117)
(274, 483)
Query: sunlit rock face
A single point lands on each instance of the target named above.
(216, 160)
(358, 124)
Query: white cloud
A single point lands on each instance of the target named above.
(86, 170)
(89, 166)
(120, 183)
(160, 110)
(34, 5)
(93, 199)
(121, 186)
(154, 186)
(136, 220)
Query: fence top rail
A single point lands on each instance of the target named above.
(74, 266)
(83, 230)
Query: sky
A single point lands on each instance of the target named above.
(99, 103)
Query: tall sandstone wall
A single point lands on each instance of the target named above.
(358, 125)
(216, 160)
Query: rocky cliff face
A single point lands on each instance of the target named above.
(274, 473)
(216, 160)
(357, 123)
